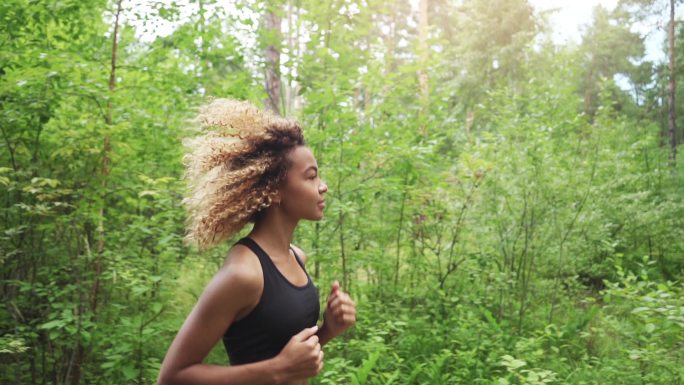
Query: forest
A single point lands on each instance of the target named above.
(503, 208)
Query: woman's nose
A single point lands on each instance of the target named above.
(322, 187)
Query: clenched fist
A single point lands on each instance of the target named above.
(302, 357)
(340, 312)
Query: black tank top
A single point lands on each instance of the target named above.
(284, 310)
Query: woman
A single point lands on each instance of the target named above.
(248, 166)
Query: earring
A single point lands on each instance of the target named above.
(265, 202)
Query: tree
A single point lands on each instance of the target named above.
(272, 41)
(672, 127)
(609, 48)
(662, 9)
(423, 54)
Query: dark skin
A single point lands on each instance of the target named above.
(236, 289)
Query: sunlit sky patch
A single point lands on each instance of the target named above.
(574, 15)
(568, 21)
(571, 15)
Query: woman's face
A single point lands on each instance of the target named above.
(301, 195)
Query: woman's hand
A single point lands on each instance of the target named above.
(340, 314)
(302, 357)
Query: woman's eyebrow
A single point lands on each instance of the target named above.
(312, 167)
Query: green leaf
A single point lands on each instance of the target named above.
(54, 324)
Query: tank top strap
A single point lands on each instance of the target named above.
(298, 259)
(267, 265)
(256, 249)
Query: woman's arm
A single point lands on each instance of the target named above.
(235, 288)
(340, 314)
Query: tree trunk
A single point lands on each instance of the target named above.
(340, 224)
(288, 104)
(397, 265)
(205, 82)
(273, 33)
(389, 40)
(422, 71)
(671, 98)
(106, 149)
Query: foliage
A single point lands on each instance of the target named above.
(524, 226)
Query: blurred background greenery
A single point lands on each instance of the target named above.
(504, 208)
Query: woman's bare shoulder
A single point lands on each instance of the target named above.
(239, 281)
(243, 266)
(237, 286)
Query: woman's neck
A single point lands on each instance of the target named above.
(274, 230)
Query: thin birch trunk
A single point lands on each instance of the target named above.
(288, 104)
(106, 153)
(79, 356)
(422, 71)
(397, 265)
(672, 127)
(272, 22)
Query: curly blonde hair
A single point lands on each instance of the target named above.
(234, 167)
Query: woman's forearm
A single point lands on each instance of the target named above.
(267, 372)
